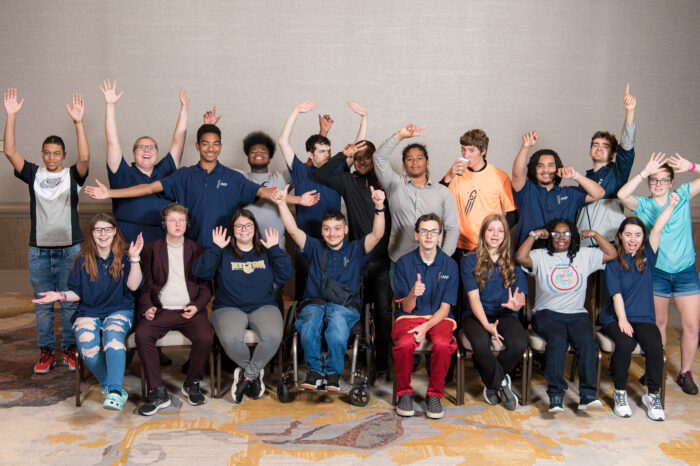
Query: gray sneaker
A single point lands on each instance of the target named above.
(491, 396)
(405, 405)
(434, 407)
(510, 401)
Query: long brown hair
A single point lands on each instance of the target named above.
(640, 260)
(258, 248)
(119, 248)
(484, 265)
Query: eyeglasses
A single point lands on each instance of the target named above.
(103, 229)
(424, 232)
(47, 153)
(557, 234)
(243, 226)
(145, 147)
(660, 181)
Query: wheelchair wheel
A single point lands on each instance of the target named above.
(283, 392)
(359, 396)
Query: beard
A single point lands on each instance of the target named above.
(259, 166)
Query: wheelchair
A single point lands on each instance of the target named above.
(360, 347)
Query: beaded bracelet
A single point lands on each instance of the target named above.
(62, 295)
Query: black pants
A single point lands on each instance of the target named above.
(301, 270)
(649, 338)
(461, 304)
(377, 290)
(492, 368)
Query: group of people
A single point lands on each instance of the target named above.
(441, 251)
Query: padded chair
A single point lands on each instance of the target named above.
(426, 347)
(607, 346)
(497, 347)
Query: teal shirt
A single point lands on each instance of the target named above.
(676, 250)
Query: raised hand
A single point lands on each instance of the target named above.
(97, 192)
(218, 237)
(350, 150)
(355, 107)
(458, 167)
(325, 122)
(530, 139)
(516, 300)
(567, 173)
(150, 313)
(12, 107)
(378, 197)
(280, 195)
(110, 91)
(272, 237)
(78, 110)
(630, 101)
(679, 164)
(418, 287)
(654, 164)
(310, 198)
(305, 106)
(542, 233)
(189, 311)
(410, 131)
(184, 101)
(210, 117)
(587, 234)
(47, 297)
(135, 247)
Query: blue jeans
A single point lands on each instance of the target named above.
(338, 320)
(106, 361)
(48, 271)
(560, 329)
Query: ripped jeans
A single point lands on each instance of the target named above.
(106, 363)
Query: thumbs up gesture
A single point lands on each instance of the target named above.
(418, 288)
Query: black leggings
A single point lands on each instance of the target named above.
(493, 368)
(649, 338)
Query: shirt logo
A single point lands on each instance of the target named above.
(470, 201)
(51, 183)
(221, 183)
(442, 276)
(346, 261)
(561, 198)
(248, 267)
(564, 279)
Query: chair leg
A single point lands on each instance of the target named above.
(524, 376)
(218, 369)
(212, 375)
(528, 383)
(78, 376)
(663, 384)
(460, 378)
(597, 376)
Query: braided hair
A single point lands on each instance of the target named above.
(575, 243)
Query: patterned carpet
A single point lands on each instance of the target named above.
(41, 424)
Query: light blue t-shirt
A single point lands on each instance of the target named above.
(676, 251)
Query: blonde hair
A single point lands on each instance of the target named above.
(484, 268)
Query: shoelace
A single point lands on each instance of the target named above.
(621, 398)
(655, 401)
(45, 356)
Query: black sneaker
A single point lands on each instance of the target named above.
(192, 392)
(685, 380)
(510, 401)
(434, 407)
(333, 382)
(589, 402)
(405, 405)
(240, 385)
(257, 386)
(556, 404)
(491, 396)
(157, 399)
(313, 381)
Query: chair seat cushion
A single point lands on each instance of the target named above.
(495, 345)
(251, 338)
(172, 338)
(537, 343)
(607, 345)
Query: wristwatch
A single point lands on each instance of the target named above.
(534, 235)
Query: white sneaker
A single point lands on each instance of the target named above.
(654, 409)
(622, 406)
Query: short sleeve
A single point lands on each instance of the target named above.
(468, 278)
(80, 180)
(520, 280)
(312, 247)
(579, 196)
(595, 259)
(612, 278)
(536, 257)
(28, 172)
(506, 195)
(401, 283)
(174, 186)
(74, 282)
(451, 289)
(248, 190)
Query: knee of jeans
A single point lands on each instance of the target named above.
(84, 324)
(557, 341)
(115, 344)
(89, 353)
(116, 323)
(336, 335)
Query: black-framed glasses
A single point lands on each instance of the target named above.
(103, 229)
(425, 232)
(243, 226)
(145, 147)
(660, 181)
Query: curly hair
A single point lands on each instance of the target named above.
(640, 260)
(483, 271)
(535, 159)
(575, 243)
(258, 137)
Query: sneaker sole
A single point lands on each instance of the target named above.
(597, 404)
(158, 408)
(556, 409)
(308, 386)
(187, 397)
(486, 398)
(234, 386)
(70, 366)
(435, 415)
(622, 414)
(262, 385)
(646, 405)
(45, 371)
(401, 412)
(332, 388)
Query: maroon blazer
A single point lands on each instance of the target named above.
(154, 264)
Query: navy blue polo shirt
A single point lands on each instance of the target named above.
(140, 214)
(636, 289)
(103, 296)
(304, 179)
(440, 278)
(537, 206)
(342, 265)
(613, 175)
(211, 198)
(494, 293)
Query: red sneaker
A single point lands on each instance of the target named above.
(69, 358)
(47, 361)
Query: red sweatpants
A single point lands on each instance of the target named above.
(405, 344)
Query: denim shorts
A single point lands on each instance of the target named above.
(683, 283)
